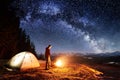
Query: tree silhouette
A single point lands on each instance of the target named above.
(24, 43)
(12, 38)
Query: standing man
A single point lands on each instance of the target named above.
(47, 57)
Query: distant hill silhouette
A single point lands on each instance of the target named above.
(106, 54)
(105, 57)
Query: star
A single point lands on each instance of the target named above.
(73, 26)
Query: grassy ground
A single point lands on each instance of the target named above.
(111, 72)
(68, 72)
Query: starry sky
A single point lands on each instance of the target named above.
(88, 26)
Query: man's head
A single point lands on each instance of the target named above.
(49, 46)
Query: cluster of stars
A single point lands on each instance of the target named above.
(75, 25)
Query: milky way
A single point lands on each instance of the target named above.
(71, 25)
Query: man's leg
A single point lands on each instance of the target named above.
(46, 66)
(49, 62)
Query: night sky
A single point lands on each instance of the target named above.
(91, 26)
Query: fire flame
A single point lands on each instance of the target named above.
(59, 63)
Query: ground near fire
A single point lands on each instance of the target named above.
(73, 67)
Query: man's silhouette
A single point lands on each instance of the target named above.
(47, 57)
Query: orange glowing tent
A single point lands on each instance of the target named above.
(23, 61)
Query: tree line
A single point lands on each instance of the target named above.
(12, 38)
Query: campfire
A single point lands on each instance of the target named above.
(59, 63)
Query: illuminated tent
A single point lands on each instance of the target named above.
(23, 61)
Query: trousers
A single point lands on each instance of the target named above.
(48, 62)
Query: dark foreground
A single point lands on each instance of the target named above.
(110, 72)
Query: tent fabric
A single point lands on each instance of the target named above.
(23, 61)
